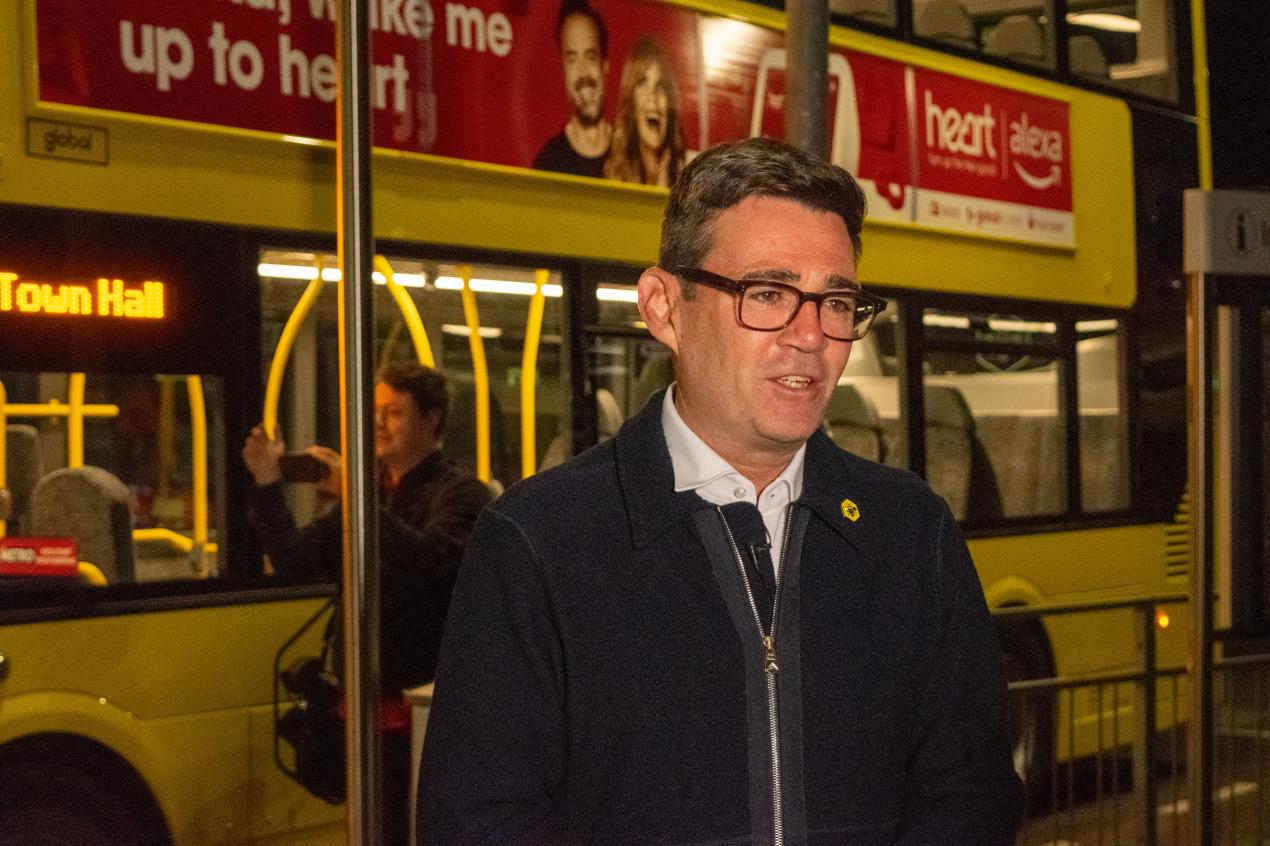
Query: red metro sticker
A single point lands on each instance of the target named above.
(20, 556)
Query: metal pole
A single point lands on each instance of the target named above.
(807, 74)
(360, 513)
(1144, 755)
(1200, 736)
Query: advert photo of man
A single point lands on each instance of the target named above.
(582, 146)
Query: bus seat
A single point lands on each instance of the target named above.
(92, 506)
(1026, 453)
(853, 423)
(656, 373)
(608, 421)
(1017, 37)
(944, 20)
(957, 467)
(1085, 57)
(608, 413)
(874, 11)
(24, 465)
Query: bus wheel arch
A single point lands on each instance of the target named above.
(68, 790)
(1026, 654)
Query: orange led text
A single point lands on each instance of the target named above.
(106, 298)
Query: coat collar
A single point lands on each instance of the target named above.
(647, 480)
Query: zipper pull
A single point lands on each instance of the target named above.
(769, 661)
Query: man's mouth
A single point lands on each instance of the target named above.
(798, 383)
(590, 84)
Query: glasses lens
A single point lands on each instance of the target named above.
(767, 306)
(839, 316)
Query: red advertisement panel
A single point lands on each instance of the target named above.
(992, 159)
(481, 81)
(626, 89)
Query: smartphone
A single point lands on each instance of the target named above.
(302, 467)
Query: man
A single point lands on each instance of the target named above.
(581, 147)
(427, 509)
(718, 627)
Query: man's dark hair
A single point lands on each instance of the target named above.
(427, 387)
(569, 8)
(725, 175)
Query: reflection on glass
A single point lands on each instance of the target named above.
(1104, 432)
(310, 405)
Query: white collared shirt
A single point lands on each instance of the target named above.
(699, 468)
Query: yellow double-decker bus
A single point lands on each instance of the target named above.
(167, 279)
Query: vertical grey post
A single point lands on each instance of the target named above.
(806, 74)
(1144, 749)
(1199, 434)
(360, 522)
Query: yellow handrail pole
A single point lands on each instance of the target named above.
(75, 421)
(278, 366)
(4, 448)
(167, 436)
(528, 378)
(409, 313)
(198, 461)
(480, 373)
(56, 408)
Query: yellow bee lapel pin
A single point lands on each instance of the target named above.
(850, 510)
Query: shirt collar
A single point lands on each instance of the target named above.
(696, 465)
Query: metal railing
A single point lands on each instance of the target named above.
(1117, 773)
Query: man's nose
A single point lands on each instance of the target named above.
(804, 332)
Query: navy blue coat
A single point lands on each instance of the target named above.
(603, 680)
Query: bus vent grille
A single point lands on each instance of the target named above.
(1177, 540)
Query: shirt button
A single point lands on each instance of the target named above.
(739, 493)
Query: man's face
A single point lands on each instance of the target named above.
(754, 396)
(651, 106)
(584, 67)
(401, 432)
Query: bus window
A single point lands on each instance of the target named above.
(139, 485)
(881, 12)
(863, 415)
(1129, 44)
(1104, 433)
(625, 360)
(1019, 32)
(995, 437)
(499, 310)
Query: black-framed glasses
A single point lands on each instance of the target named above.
(845, 313)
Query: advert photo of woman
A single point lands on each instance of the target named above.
(648, 138)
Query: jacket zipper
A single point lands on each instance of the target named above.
(770, 666)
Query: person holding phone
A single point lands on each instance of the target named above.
(427, 509)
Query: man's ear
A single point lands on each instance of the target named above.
(659, 300)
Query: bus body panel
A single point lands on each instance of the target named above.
(125, 682)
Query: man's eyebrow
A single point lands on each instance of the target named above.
(836, 281)
(832, 282)
(770, 274)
